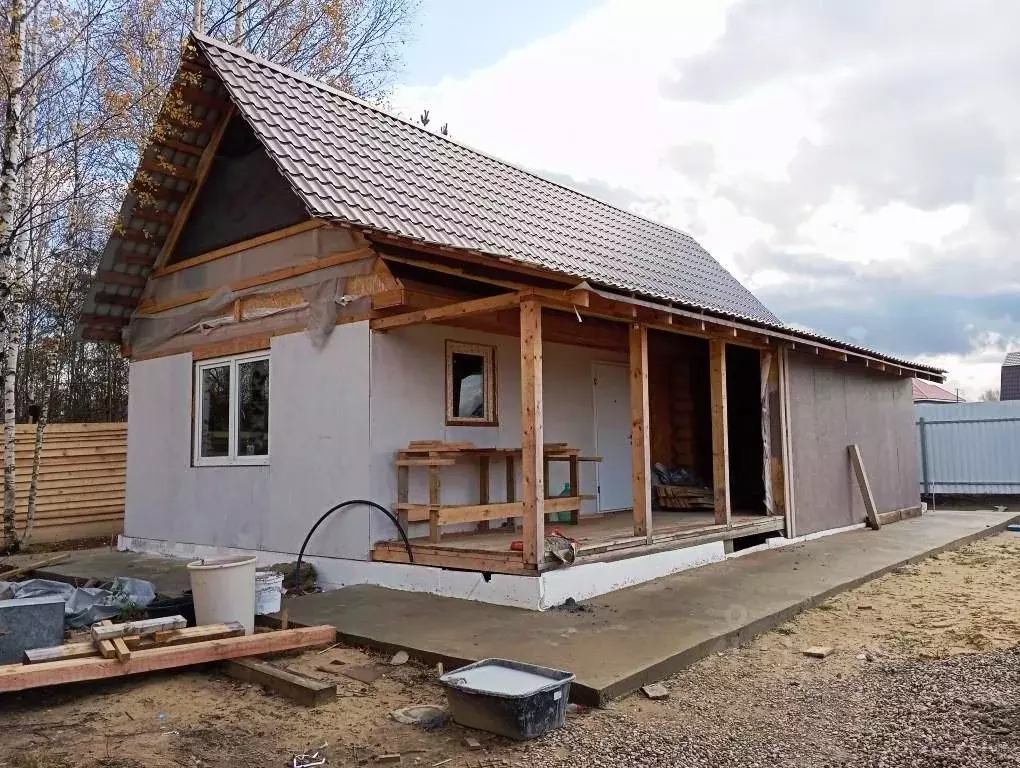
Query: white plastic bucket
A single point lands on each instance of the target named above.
(224, 590)
(268, 589)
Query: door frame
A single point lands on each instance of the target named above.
(595, 433)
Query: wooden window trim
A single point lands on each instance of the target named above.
(232, 459)
(491, 395)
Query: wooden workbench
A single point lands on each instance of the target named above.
(434, 455)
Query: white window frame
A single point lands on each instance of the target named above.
(232, 458)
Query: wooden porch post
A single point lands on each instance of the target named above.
(532, 438)
(720, 436)
(640, 451)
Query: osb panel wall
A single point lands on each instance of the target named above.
(81, 480)
(831, 406)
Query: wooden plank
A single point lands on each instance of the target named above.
(120, 649)
(438, 557)
(120, 278)
(140, 627)
(403, 485)
(244, 245)
(511, 479)
(640, 448)
(476, 512)
(720, 432)
(161, 165)
(17, 677)
(285, 273)
(305, 691)
(448, 312)
(865, 486)
(532, 433)
(205, 162)
(14, 573)
(88, 648)
(434, 501)
(483, 487)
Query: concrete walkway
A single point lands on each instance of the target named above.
(623, 640)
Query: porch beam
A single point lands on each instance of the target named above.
(448, 312)
(720, 432)
(640, 449)
(532, 437)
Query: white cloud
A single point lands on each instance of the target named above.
(804, 145)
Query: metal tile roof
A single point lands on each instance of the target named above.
(1012, 358)
(351, 162)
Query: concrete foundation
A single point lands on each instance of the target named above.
(31, 622)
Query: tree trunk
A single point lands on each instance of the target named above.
(40, 428)
(9, 203)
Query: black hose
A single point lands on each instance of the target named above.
(330, 511)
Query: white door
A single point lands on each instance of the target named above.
(612, 434)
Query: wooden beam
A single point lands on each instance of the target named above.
(862, 482)
(532, 433)
(141, 627)
(164, 166)
(449, 312)
(18, 677)
(116, 298)
(151, 307)
(640, 449)
(720, 432)
(120, 278)
(180, 146)
(306, 691)
(151, 214)
(201, 171)
(244, 245)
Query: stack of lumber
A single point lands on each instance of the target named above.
(684, 497)
(114, 650)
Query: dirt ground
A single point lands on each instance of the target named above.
(912, 650)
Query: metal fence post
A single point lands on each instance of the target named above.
(925, 477)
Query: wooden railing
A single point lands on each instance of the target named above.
(81, 480)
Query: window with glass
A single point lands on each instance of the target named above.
(232, 411)
(470, 384)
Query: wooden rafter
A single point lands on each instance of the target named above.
(449, 312)
(151, 214)
(121, 278)
(180, 146)
(116, 298)
(201, 171)
(161, 165)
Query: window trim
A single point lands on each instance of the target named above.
(232, 459)
(488, 355)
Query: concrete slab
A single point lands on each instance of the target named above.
(169, 575)
(621, 641)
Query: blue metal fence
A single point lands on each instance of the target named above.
(969, 448)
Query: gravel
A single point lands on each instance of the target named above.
(961, 711)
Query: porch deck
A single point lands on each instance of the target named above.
(601, 537)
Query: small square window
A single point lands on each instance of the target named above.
(232, 411)
(470, 384)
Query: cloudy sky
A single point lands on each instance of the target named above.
(856, 164)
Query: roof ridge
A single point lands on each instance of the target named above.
(456, 142)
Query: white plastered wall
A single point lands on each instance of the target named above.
(408, 403)
(336, 417)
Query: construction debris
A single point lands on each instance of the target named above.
(818, 652)
(144, 627)
(655, 691)
(427, 716)
(399, 659)
(21, 677)
(364, 673)
(29, 623)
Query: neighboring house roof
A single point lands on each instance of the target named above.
(927, 392)
(1012, 358)
(352, 163)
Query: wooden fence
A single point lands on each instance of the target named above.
(81, 480)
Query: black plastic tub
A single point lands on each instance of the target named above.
(516, 700)
(162, 607)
